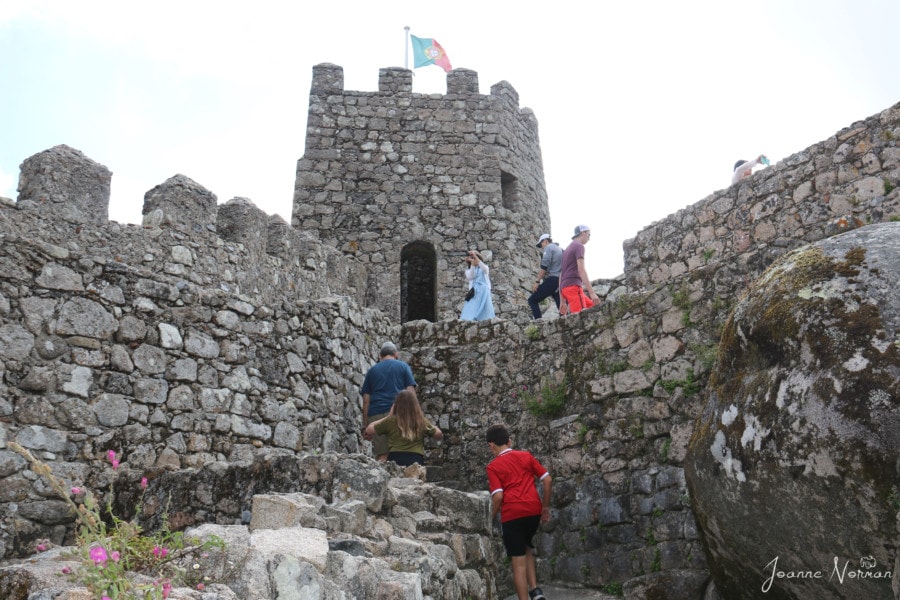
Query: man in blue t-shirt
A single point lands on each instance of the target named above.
(383, 382)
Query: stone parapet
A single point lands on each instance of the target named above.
(150, 343)
(180, 236)
(849, 180)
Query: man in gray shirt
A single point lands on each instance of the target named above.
(547, 283)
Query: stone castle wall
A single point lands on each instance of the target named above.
(233, 247)
(633, 371)
(181, 343)
(432, 175)
(631, 374)
(165, 342)
(848, 180)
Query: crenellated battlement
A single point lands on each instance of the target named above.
(407, 182)
(185, 233)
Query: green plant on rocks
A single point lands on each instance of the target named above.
(681, 299)
(583, 430)
(689, 384)
(109, 553)
(549, 401)
(664, 450)
(613, 589)
(705, 353)
(610, 367)
(656, 565)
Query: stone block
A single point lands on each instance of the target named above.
(275, 511)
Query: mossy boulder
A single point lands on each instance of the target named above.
(793, 464)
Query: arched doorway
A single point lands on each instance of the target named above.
(418, 282)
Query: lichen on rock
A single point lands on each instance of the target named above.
(795, 454)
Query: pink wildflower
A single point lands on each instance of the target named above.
(166, 589)
(66, 570)
(114, 556)
(201, 587)
(98, 555)
(111, 455)
(143, 483)
(41, 547)
(160, 552)
(75, 491)
(105, 598)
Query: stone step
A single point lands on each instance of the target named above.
(554, 592)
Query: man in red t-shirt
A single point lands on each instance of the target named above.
(511, 478)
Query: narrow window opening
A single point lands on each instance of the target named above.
(509, 187)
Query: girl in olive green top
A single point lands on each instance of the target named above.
(406, 427)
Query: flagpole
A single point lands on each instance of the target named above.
(406, 48)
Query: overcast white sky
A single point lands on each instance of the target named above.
(643, 107)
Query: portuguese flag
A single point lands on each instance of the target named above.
(427, 51)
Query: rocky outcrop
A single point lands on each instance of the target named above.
(792, 466)
(370, 531)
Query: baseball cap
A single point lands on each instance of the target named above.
(388, 348)
(545, 236)
(579, 230)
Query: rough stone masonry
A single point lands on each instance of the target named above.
(213, 334)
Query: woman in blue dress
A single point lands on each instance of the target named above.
(480, 307)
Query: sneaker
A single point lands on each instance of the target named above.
(537, 594)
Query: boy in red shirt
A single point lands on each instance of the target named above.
(511, 476)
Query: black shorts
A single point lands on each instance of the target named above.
(517, 534)
(405, 459)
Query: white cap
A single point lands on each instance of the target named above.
(579, 230)
(543, 237)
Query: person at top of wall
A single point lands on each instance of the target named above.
(479, 306)
(743, 168)
(547, 283)
(574, 284)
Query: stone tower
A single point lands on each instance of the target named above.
(408, 182)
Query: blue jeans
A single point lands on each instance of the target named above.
(548, 288)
